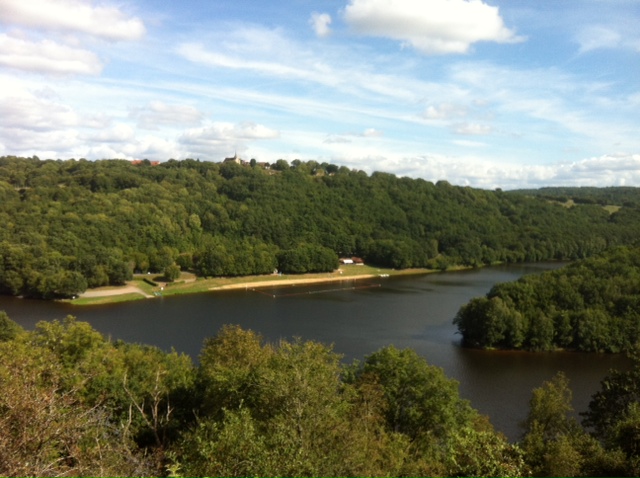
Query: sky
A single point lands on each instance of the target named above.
(482, 93)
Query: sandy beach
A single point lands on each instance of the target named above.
(127, 289)
(274, 281)
(288, 282)
(190, 284)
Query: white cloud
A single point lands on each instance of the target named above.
(469, 144)
(34, 125)
(372, 133)
(220, 138)
(33, 114)
(538, 103)
(148, 147)
(320, 23)
(102, 21)
(595, 37)
(250, 130)
(47, 56)
(607, 170)
(292, 63)
(158, 113)
(97, 121)
(49, 144)
(471, 129)
(196, 53)
(444, 111)
(120, 133)
(345, 138)
(336, 139)
(104, 151)
(431, 27)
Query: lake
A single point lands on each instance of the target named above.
(358, 318)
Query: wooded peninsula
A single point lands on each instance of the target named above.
(591, 305)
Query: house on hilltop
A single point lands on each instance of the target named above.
(235, 159)
(253, 163)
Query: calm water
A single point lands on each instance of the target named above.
(414, 312)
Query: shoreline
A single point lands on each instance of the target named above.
(137, 288)
(291, 282)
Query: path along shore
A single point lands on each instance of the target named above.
(253, 283)
(288, 282)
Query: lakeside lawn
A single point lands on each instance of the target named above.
(188, 283)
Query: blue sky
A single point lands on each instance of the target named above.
(488, 94)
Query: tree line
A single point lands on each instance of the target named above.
(590, 305)
(77, 404)
(74, 224)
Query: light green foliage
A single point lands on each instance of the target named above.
(554, 444)
(232, 447)
(549, 409)
(480, 451)
(171, 272)
(46, 426)
(421, 401)
(284, 400)
(292, 409)
(228, 365)
(148, 393)
(69, 340)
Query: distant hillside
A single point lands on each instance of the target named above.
(73, 224)
(616, 196)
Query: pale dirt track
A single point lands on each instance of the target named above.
(285, 282)
(128, 289)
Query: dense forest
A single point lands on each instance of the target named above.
(613, 195)
(590, 305)
(77, 404)
(73, 224)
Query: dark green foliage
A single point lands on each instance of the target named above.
(617, 399)
(171, 272)
(591, 305)
(421, 400)
(68, 225)
(307, 258)
(620, 195)
(554, 444)
(9, 329)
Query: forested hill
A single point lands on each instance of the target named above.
(591, 305)
(615, 195)
(68, 225)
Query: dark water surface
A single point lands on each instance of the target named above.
(358, 318)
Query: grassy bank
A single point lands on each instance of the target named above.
(190, 284)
